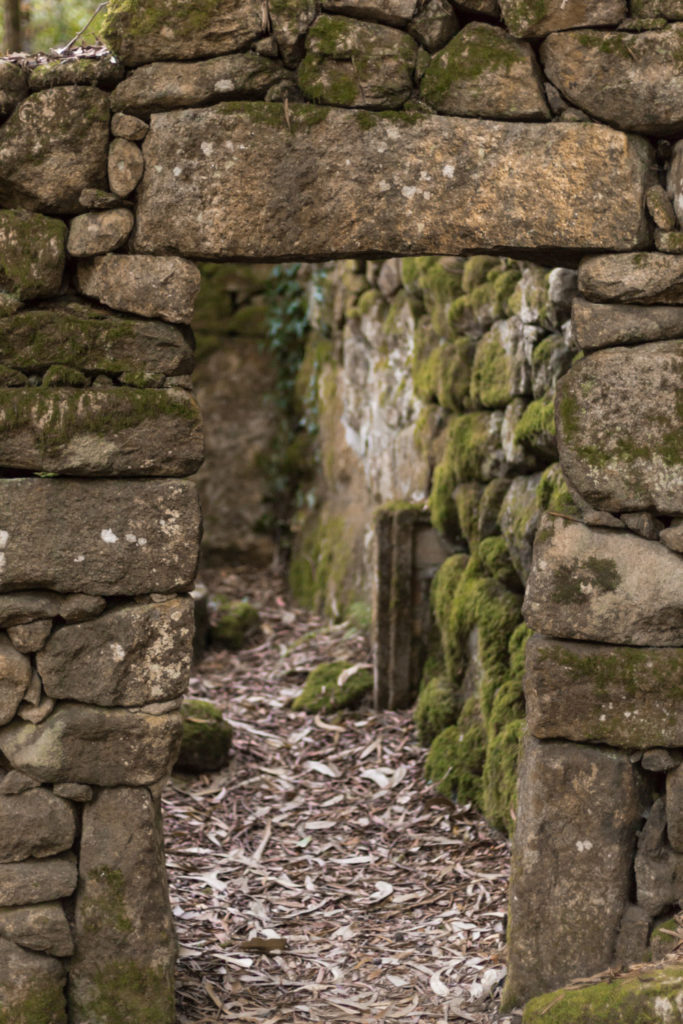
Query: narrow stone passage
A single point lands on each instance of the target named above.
(318, 877)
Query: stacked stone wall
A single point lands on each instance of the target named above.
(293, 130)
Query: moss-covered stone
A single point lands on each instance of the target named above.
(499, 777)
(125, 991)
(456, 757)
(236, 622)
(444, 587)
(207, 738)
(11, 378)
(32, 254)
(474, 446)
(250, 321)
(554, 494)
(495, 558)
(467, 499)
(64, 376)
(648, 997)
(442, 508)
(477, 269)
(322, 690)
(437, 707)
(535, 430)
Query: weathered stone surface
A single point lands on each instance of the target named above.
(17, 782)
(31, 606)
(620, 427)
(52, 147)
(38, 881)
(600, 325)
(533, 20)
(578, 812)
(674, 808)
(644, 278)
(15, 676)
(32, 261)
(123, 968)
(657, 759)
(125, 166)
(391, 12)
(484, 72)
(94, 340)
(671, 9)
(31, 986)
(634, 931)
(436, 23)
(104, 73)
(661, 208)
(633, 81)
(151, 286)
(13, 87)
(290, 192)
(175, 30)
(168, 86)
(35, 824)
(669, 241)
(518, 519)
(92, 234)
(290, 23)
(31, 636)
(99, 198)
(604, 585)
(673, 536)
(674, 179)
(652, 994)
(36, 711)
(126, 126)
(76, 791)
(658, 869)
(593, 693)
(100, 431)
(502, 363)
(129, 656)
(81, 743)
(351, 63)
(98, 536)
(42, 927)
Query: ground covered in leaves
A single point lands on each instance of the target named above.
(318, 877)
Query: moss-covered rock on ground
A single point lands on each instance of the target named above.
(499, 778)
(437, 707)
(652, 996)
(236, 622)
(333, 686)
(207, 738)
(456, 757)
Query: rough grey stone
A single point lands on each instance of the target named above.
(99, 199)
(290, 23)
(17, 782)
(579, 809)
(101, 431)
(31, 986)
(13, 87)
(351, 63)
(15, 673)
(549, 361)
(600, 325)
(129, 656)
(489, 8)
(289, 193)
(31, 606)
(94, 746)
(104, 73)
(669, 241)
(75, 791)
(125, 166)
(484, 72)
(52, 147)
(656, 759)
(604, 585)
(38, 881)
(92, 234)
(93, 340)
(174, 30)
(658, 869)
(171, 86)
(126, 126)
(674, 179)
(643, 278)
(661, 208)
(673, 536)
(151, 286)
(98, 536)
(643, 523)
(434, 25)
(620, 427)
(535, 20)
(36, 711)
(122, 868)
(42, 927)
(33, 254)
(634, 931)
(674, 808)
(31, 636)
(391, 12)
(595, 693)
(630, 80)
(35, 824)
(671, 9)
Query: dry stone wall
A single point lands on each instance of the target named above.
(348, 128)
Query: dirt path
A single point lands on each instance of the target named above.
(318, 878)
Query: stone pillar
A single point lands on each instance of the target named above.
(605, 669)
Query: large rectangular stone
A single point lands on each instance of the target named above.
(98, 536)
(602, 324)
(595, 693)
(255, 181)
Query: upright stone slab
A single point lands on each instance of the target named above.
(31, 986)
(246, 181)
(125, 943)
(620, 428)
(578, 812)
(98, 536)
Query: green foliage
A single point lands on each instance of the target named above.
(322, 691)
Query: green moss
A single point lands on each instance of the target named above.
(322, 691)
(124, 991)
(442, 508)
(444, 587)
(495, 559)
(467, 499)
(642, 998)
(491, 371)
(525, 14)
(297, 118)
(485, 303)
(106, 901)
(142, 379)
(499, 777)
(44, 1004)
(554, 494)
(456, 757)
(507, 706)
(134, 18)
(470, 440)
(236, 622)
(489, 507)
(249, 321)
(10, 378)
(30, 237)
(665, 938)
(535, 429)
(476, 270)
(612, 43)
(332, 82)
(478, 51)
(517, 650)
(206, 739)
(413, 267)
(64, 376)
(437, 707)
(366, 302)
(575, 582)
